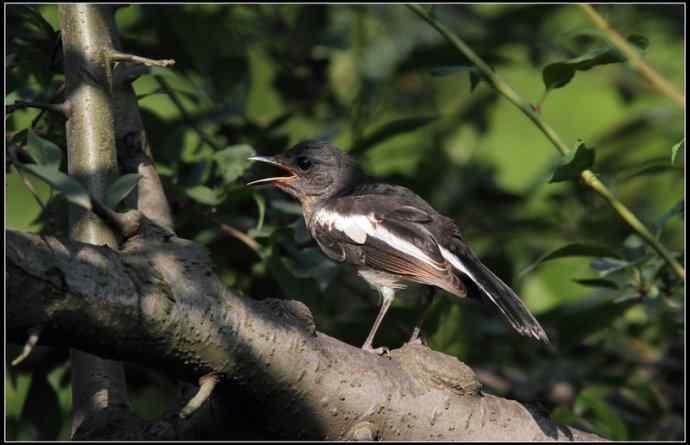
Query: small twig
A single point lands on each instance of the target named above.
(126, 224)
(235, 233)
(206, 385)
(119, 56)
(63, 108)
(636, 61)
(34, 334)
(587, 176)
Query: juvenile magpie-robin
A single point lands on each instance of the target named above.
(389, 234)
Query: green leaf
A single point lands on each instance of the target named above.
(119, 189)
(583, 159)
(43, 151)
(70, 187)
(391, 129)
(597, 282)
(205, 195)
(573, 250)
(559, 74)
(232, 161)
(674, 151)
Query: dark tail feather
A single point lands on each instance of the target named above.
(510, 305)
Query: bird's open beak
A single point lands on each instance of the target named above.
(276, 179)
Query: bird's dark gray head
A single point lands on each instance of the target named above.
(317, 170)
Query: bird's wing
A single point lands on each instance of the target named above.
(385, 233)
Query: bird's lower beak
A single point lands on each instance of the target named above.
(277, 163)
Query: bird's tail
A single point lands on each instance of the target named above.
(510, 305)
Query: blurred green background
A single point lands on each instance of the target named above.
(380, 82)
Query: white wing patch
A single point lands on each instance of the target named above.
(358, 227)
(455, 261)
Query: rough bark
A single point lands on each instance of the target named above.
(156, 301)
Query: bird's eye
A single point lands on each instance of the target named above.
(303, 162)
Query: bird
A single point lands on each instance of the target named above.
(390, 235)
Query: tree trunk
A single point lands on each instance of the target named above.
(96, 383)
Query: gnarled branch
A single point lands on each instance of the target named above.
(157, 302)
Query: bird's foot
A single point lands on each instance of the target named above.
(415, 338)
(381, 350)
(415, 341)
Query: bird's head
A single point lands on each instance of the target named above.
(316, 170)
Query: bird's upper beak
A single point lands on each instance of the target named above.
(276, 179)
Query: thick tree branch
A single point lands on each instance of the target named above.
(157, 302)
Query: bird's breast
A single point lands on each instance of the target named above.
(378, 279)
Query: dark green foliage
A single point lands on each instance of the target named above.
(375, 79)
(582, 159)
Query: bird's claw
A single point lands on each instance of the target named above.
(381, 350)
(415, 341)
(416, 338)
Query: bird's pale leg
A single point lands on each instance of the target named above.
(425, 306)
(388, 294)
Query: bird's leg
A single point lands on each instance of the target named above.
(424, 304)
(388, 294)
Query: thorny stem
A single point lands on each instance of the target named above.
(587, 176)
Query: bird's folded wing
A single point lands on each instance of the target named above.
(385, 235)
